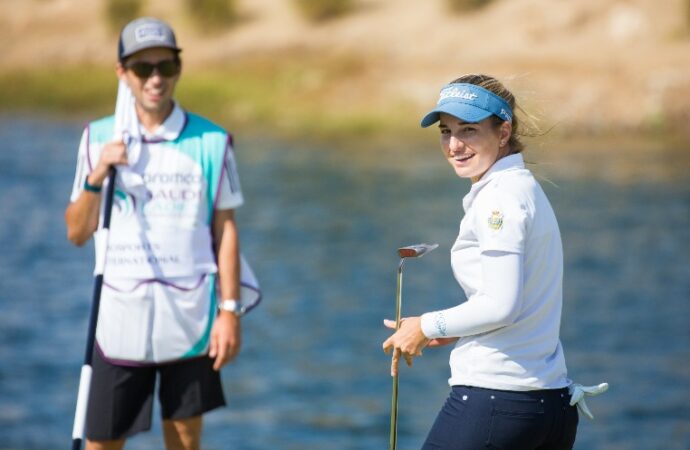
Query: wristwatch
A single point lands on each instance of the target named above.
(234, 306)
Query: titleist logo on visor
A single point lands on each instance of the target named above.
(454, 92)
(149, 32)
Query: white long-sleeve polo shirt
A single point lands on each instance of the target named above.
(508, 259)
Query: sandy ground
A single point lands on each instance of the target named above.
(595, 65)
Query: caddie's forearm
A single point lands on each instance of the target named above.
(229, 272)
(228, 256)
(81, 217)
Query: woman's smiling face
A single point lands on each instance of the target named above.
(472, 148)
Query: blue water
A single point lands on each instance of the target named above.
(321, 226)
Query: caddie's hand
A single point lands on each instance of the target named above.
(408, 341)
(113, 153)
(226, 339)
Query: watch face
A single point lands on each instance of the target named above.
(232, 306)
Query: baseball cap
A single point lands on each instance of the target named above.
(143, 33)
(469, 103)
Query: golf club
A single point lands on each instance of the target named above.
(411, 251)
(86, 371)
(122, 112)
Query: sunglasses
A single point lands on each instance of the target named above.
(168, 68)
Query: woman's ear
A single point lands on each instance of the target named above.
(505, 132)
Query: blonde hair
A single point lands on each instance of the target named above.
(493, 85)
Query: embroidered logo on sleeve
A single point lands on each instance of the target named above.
(440, 322)
(495, 220)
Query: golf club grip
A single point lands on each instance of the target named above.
(394, 396)
(109, 195)
(76, 444)
(394, 416)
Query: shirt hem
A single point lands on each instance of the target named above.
(458, 381)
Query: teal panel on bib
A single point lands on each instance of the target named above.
(202, 343)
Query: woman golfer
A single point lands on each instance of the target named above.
(508, 374)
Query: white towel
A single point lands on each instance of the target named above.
(127, 129)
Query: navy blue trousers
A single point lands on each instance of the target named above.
(475, 418)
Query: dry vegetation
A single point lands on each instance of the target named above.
(592, 66)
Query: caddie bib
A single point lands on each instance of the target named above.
(161, 236)
(166, 232)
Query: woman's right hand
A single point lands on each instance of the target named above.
(113, 153)
(407, 341)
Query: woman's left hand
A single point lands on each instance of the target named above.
(407, 341)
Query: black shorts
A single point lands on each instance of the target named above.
(121, 397)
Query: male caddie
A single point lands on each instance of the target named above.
(169, 306)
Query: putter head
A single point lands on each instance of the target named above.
(416, 251)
